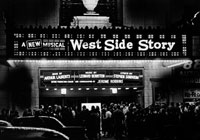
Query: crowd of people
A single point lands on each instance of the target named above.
(170, 122)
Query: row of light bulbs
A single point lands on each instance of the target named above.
(79, 61)
(135, 88)
(114, 90)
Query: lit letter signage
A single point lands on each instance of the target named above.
(91, 78)
(107, 44)
(145, 45)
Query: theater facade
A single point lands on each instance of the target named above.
(70, 66)
(112, 54)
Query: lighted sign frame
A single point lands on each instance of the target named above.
(88, 78)
(97, 44)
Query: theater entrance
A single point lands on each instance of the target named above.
(75, 86)
(124, 96)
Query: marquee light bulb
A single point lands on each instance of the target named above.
(71, 89)
(63, 91)
(114, 90)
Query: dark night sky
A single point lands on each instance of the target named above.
(158, 12)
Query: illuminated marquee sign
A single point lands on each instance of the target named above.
(102, 44)
(91, 78)
(188, 73)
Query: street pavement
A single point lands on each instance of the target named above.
(112, 138)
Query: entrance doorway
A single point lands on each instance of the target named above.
(76, 101)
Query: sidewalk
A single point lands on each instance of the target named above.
(125, 138)
(112, 138)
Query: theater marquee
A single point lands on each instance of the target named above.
(98, 44)
(130, 78)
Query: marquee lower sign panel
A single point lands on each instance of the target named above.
(91, 78)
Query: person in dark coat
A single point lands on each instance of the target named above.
(93, 126)
(118, 118)
(84, 116)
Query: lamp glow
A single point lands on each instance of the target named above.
(87, 88)
(63, 91)
(114, 90)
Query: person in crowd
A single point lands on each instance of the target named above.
(76, 116)
(67, 115)
(98, 113)
(109, 122)
(84, 116)
(4, 114)
(28, 112)
(93, 124)
(13, 114)
(167, 122)
(103, 113)
(130, 123)
(118, 118)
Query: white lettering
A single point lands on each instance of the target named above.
(116, 81)
(37, 43)
(157, 45)
(84, 76)
(85, 45)
(103, 81)
(49, 77)
(150, 44)
(54, 44)
(63, 76)
(92, 45)
(23, 44)
(119, 76)
(144, 45)
(98, 75)
(130, 45)
(132, 77)
(111, 45)
(76, 44)
(171, 45)
(164, 45)
(85, 81)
